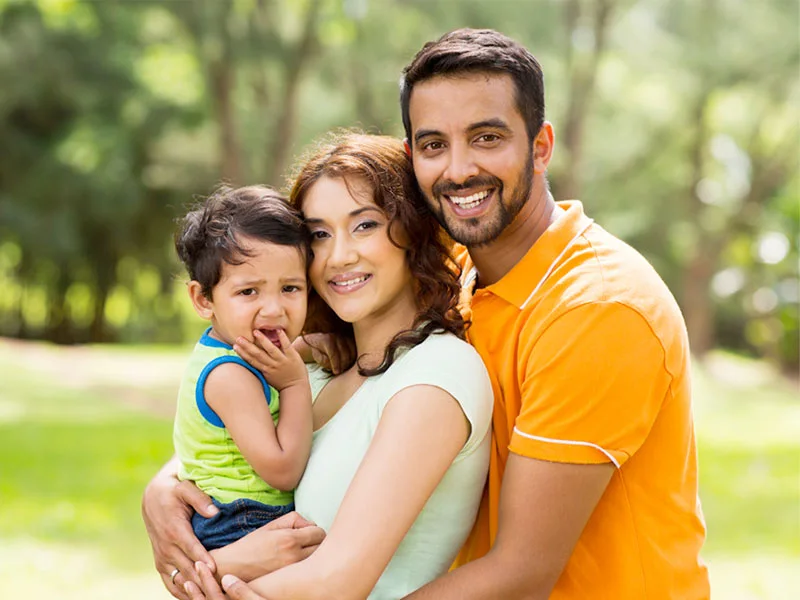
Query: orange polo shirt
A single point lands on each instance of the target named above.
(589, 360)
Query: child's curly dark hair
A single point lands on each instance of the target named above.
(211, 233)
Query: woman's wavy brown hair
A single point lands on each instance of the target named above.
(382, 162)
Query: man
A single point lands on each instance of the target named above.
(592, 489)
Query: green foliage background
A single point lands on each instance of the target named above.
(676, 124)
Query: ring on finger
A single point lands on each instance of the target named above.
(173, 575)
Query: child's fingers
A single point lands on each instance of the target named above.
(250, 352)
(266, 344)
(286, 345)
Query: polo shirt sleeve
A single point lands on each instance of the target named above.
(593, 384)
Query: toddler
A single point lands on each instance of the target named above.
(246, 252)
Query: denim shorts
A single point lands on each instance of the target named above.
(234, 521)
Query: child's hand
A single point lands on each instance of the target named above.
(282, 368)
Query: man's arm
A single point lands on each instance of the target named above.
(167, 507)
(544, 507)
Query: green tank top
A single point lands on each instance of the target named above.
(207, 453)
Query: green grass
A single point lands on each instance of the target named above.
(83, 429)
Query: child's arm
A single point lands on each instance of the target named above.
(278, 454)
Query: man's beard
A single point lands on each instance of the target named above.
(472, 232)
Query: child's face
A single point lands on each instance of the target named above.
(268, 291)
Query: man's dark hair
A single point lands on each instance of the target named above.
(467, 51)
(212, 232)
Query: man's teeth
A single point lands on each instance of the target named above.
(470, 201)
(350, 282)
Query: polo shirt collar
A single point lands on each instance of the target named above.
(526, 277)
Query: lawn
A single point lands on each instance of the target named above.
(83, 429)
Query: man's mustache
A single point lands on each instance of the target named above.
(450, 187)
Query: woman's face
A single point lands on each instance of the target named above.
(356, 269)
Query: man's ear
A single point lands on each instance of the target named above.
(202, 305)
(543, 146)
(407, 147)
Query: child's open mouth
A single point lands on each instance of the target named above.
(273, 335)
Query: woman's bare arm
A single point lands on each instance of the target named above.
(386, 495)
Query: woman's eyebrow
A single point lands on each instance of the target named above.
(354, 213)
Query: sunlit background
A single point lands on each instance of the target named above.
(676, 123)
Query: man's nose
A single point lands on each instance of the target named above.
(461, 165)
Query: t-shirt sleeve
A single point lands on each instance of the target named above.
(453, 365)
(593, 384)
(317, 379)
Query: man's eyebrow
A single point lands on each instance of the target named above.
(495, 123)
(422, 133)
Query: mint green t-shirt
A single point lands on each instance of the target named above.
(207, 453)
(338, 447)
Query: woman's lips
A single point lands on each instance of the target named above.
(345, 284)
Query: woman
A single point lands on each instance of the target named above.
(401, 437)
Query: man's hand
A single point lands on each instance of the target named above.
(167, 507)
(209, 589)
(282, 366)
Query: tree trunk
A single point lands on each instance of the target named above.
(59, 328)
(223, 80)
(697, 305)
(285, 119)
(698, 308)
(583, 78)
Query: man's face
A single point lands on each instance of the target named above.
(471, 154)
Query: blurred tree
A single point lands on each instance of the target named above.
(77, 132)
(675, 122)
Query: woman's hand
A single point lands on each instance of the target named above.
(167, 507)
(209, 589)
(333, 352)
(282, 542)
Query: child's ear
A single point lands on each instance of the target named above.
(202, 305)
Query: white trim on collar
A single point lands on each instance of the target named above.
(553, 264)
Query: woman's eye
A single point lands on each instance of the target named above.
(366, 225)
(318, 235)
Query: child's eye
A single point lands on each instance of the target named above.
(290, 289)
(248, 292)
